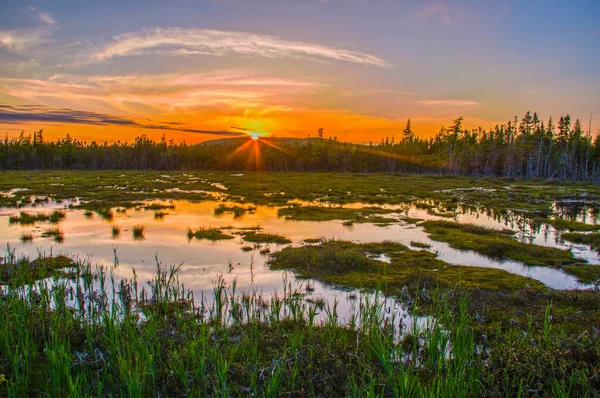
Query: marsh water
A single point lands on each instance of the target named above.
(165, 238)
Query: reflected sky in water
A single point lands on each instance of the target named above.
(203, 261)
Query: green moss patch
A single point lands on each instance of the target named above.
(592, 239)
(317, 213)
(562, 224)
(584, 272)
(237, 211)
(349, 265)
(263, 237)
(24, 271)
(25, 218)
(495, 243)
(212, 234)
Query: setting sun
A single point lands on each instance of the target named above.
(255, 135)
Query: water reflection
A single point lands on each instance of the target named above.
(136, 236)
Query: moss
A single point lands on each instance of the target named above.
(159, 206)
(237, 211)
(592, 239)
(313, 240)
(348, 264)
(28, 219)
(106, 214)
(56, 216)
(585, 273)
(562, 224)
(55, 233)
(261, 237)
(420, 245)
(317, 213)
(411, 220)
(102, 189)
(160, 215)
(25, 271)
(26, 238)
(212, 234)
(495, 244)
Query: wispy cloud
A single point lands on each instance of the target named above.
(437, 9)
(19, 40)
(18, 114)
(179, 41)
(442, 102)
(174, 90)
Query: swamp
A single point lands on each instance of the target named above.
(202, 283)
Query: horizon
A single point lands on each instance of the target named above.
(357, 69)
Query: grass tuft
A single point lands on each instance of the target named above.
(138, 232)
(212, 234)
(263, 237)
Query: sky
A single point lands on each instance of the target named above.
(200, 70)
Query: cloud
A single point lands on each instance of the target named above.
(17, 114)
(175, 90)
(448, 102)
(437, 9)
(190, 42)
(46, 18)
(19, 40)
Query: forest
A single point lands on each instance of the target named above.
(524, 148)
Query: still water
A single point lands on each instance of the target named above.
(204, 262)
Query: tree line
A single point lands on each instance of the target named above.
(523, 148)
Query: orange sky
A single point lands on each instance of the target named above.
(202, 71)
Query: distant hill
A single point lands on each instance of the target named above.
(276, 140)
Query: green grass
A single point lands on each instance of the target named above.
(159, 206)
(20, 271)
(411, 220)
(317, 213)
(137, 232)
(584, 272)
(26, 237)
(160, 343)
(99, 189)
(263, 237)
(495, 244)
(25, 218)
(562, 224)
(212, 234)
(348, 264)
(57, 216)
(313, 240)
(105, 214)
(115, 231)
(160, 215)
(55, 233)
(237, 211)
(420, 245)
(592, 239)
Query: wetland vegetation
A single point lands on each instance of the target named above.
(383, 293)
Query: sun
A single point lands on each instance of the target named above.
(255, 135)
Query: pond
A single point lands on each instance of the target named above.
(165, 236)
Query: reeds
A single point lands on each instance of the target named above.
(137, 232)
(94, 334)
